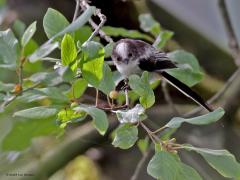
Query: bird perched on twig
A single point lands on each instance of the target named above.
(135, 56)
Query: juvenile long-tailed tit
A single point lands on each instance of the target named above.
(135, 56)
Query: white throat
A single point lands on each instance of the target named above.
(128, 69)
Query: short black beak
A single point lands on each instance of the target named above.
(126, 61)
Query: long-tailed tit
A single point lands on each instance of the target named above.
(134, 56)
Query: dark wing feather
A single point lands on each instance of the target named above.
(156, 61)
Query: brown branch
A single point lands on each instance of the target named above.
(141, 164)
(231, 102)
(76, 10)
(168, 97)
(20, 71)
(232, 38)
(13, 97)
(97, 28)
(101, 33)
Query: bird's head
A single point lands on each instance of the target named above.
(126, 51)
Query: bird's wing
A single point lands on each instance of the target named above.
(156, 61)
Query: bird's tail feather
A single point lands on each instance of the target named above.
(185, 90)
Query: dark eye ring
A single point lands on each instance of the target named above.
(118, 58)
(130, 55)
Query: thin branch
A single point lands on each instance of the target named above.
(168, 97)
(101, 33)
(97, 28)
(232, 38)
(103, 19)
(148, 131)
(97, 96)
(112, 109)
(76, 10)
(13, 97)
(159, 129)
(140, 165)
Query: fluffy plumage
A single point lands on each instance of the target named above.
(134, 56)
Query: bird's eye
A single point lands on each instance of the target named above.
(118, 59)
(130, 55)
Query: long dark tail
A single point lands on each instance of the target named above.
(185, 90)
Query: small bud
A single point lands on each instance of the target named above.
(17, 88)
(113, 94)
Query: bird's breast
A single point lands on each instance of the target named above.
(129, 69)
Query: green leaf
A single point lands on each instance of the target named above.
(189, 71)
(116, 31)
(30, 96)
(47, 78)
(68, 50)
(142, 87)
(164, 37)
(82, 34)
(164, 165)
(148, 24)
(54, 94)
(18, 28)
(79, 22)
(200, 120)
(107, 84)
(92, 62)
(143, 144)
(23, 132)
(100, 120)
(54, 22)
(125, 136)
(188, 173)
(108, 49)
(9, 50)
(28, 34)
(28, 66)
(43, 51)
(221, 160)
(49, 46)
(131, 116)
(78, 88)
(67, 115)
(6, 86)
(36, 113)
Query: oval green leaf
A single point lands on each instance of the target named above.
(92, 62)
(125, 136)
(36, 113)
(221, 160)
(54, 22)
(142, 87)
(68, 50)
(211, 117)
(100, 120)
(189, 71)
(164, 165)
(28, 34)
(9, 50)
